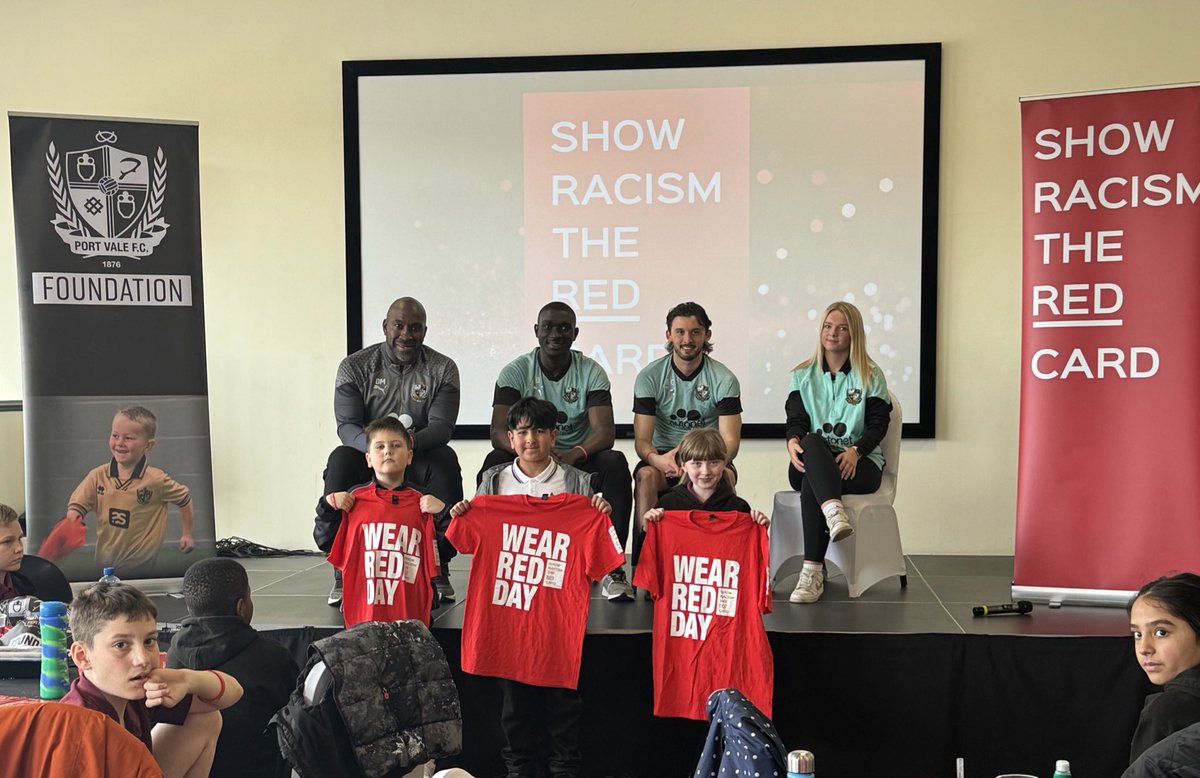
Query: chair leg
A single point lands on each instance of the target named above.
(904, 582)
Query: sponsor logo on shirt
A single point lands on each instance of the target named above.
(530, 559)
(118, 518)
(380, 386)
(704, 587)
(685, 420)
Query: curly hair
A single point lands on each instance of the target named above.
(212, 587)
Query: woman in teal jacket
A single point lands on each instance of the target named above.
(837, 413)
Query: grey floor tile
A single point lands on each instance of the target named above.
(960, 565)
(310, 582)
(294, 611)
(284, 563)
(867, 617)
(971, 589)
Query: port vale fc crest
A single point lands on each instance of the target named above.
(108, 201)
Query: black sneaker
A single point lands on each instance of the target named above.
(444, 589)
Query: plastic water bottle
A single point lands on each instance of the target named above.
(1062, 769)
(109, 576)
(800, 764)
(54, 679)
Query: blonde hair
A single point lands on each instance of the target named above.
(143, 416)
(704, 445)
(860, 362)
(7, 515)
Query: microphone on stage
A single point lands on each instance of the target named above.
(1019, 607)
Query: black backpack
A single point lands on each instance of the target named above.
(312, 736)
(393, 673)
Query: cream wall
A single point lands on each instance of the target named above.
(264, 81)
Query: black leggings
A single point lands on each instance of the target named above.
(821, 482)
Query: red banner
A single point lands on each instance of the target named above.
(1108, 487)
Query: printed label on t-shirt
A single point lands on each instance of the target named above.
(555, 572)
(411, 563)
(704, 587)
(726, 602)
(612, 533)
(391, 554)
(531, 558)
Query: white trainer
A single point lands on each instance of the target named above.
(809, 587)
(839, 525)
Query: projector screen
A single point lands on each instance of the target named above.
(763, 185)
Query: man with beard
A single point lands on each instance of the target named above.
(404, 378)
(682, 391)
(581, 394)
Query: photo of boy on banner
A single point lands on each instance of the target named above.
(129, 500)
(107, 228)
(146, 509)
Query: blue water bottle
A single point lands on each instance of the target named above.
(109, 576)
(800, 764)
(54, 680)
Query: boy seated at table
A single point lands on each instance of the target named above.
(175, 713)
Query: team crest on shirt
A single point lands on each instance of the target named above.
(144, 494)
(380, 385)
(702, 392)
(419, 393)
(570, 394)
(854, 396)
(108, 201)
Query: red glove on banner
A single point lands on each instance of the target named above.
(68, 534)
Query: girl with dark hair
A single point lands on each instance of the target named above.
(1164, 618)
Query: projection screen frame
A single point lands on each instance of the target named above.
(929, 54)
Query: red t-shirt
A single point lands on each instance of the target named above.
(707, 574)
(530, 582)
(385, 550)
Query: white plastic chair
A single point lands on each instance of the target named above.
(873, 552)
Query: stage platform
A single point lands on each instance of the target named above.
(291, 592)
(900, 681)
